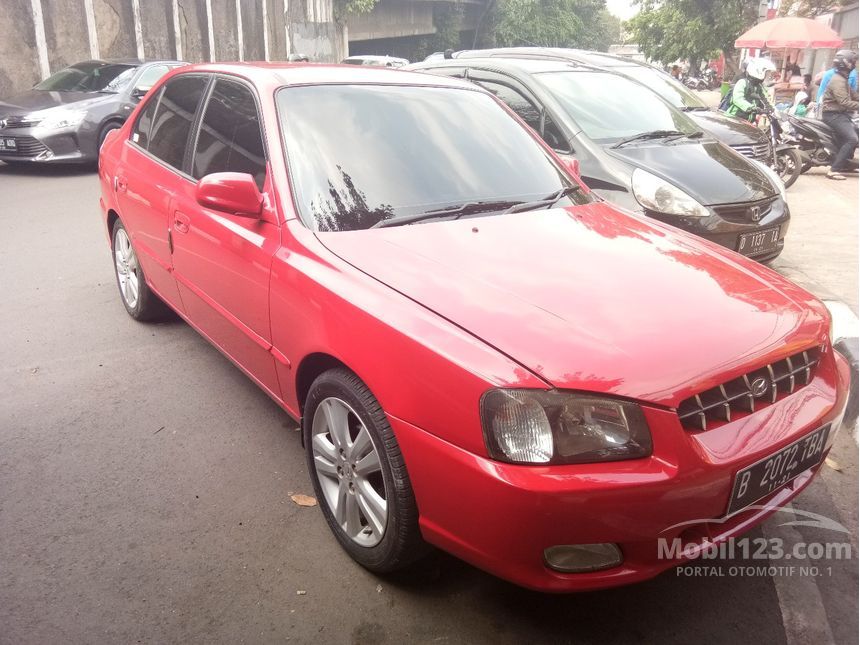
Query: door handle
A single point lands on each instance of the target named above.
(181, 222)
(120, 184)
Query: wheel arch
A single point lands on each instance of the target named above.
(112, 217)
(310, 367)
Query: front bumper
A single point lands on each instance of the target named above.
(726, 232)
(40, 145)
(501, 517)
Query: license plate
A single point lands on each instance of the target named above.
(775, 471)
(8, 144)
(758, 242)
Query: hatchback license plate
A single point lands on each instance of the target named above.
(770, 473)
(8, 144)
(758, 242)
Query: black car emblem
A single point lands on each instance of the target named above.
(755, 213)
(759, 387)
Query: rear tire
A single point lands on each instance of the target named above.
(789, 165)
(137, 298)
(359, 475)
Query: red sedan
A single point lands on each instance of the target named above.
(484, 357)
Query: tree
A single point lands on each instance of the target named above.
(550, 23)
(694, 30)
(344, 7)
(810, 8)
(609, 31)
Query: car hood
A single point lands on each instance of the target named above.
(591, 299)
(34, 100)
(731, 131)
(709, 171)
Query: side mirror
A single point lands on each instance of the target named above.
(572, 166)
(139, 92)
(235, 193)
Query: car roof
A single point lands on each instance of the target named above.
(286, 74)
(128, 61)
(527, 65)
(598, 59)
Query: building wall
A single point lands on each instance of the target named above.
(52, 34)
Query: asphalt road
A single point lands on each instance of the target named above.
(145, 482)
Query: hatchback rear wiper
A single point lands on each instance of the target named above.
(546, 202)
(454, 212)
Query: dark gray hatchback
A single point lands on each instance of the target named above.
(638, 151)
(744, 137)
(66, 117)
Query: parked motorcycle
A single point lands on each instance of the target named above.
(695, 83)
(710, 78)
(787, 158)
(816, 140)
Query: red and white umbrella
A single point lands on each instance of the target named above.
(790, 33)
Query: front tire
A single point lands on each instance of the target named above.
(137, 298)
(359, 475)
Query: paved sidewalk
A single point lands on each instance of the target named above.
(821, 248)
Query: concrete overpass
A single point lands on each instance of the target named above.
(396, 27)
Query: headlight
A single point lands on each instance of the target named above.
(771, 174)
(542, 427)
(62, 118)
(661, 196)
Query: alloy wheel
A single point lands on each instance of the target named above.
(349, 471)
(127, 269)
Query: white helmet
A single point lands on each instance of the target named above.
(759, 67)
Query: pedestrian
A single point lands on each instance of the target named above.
(838, 103)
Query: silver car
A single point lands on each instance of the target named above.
(66, 117)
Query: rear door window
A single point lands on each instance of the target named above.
(143, 125)
(230, 138)
(174, 117)
(528, 112)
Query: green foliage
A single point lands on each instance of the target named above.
(553, 23)
(343, 7)
(810, 8)
(668, 30)
(448, 19)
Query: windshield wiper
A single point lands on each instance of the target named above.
(653, 134)
(546, 202)
(453, 212)
(659, 134)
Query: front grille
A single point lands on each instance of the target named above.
(757, 151)
(18, 121)
(748, 212)
(748, 393)
(25, 147)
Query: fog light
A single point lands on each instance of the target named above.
(579, 558)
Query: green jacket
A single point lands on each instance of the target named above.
(747, 95)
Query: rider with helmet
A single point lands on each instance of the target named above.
(748, 96)
(837, 106)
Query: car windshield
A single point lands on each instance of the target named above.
(363, 154)
(666, 86)
(84, 77)
(610, 108)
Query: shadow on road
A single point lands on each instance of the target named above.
(666, 609)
